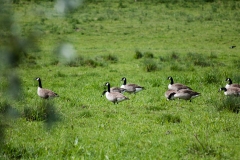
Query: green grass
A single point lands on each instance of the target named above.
(98, 42)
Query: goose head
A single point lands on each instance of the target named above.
(171, 96)
(223, 89)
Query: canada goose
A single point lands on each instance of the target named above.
(168, 92)
(184, 94)
(131, 88)
(230, 84)
(231, 91)
(44, 93)
(232, 47)
(114, 97)
(176, 86)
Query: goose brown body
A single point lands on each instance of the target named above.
(176, 86)
(114, 97)
(185, 94)
(130, 88)
(44, 93)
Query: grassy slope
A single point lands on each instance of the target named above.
(146, 126)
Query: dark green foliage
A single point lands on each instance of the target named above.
(14, 152)
(30, 60)
(198, 59)
(176, 67)
(16, 1)
(81, 61)
(230, 103)
(76, 62)
(209, 0)
(149, 65)
(109, 115)
(95, 62)
(121, 5)
(107, 58)
(2, 135)
(35, 114)
(111, 58)
(14, 90)
(212, 55)
(155, 82)
(174, 56)
(16, 52)
(86, 114)
(162, 59)
(148, 55)
(43, 112)
(54, 62)
(8, 111)
(138, 54)
(60, 74)
(211, 76)
(90, 63)
(148, 62)
(236, 78)
(202, 148)
(168, 118)
(236, 63)
(188, 62)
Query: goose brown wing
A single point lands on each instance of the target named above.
(186, 94)
(50, 93)
(117, 89)
(235, 85)
(189, 92)
(234, 90)
(181, 86)
(133, 87)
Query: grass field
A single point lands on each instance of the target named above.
(77, 52)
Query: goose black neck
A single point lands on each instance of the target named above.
(39, 83)
(171, 80)
(124, 81)
(224, 89)
(108, 85)
(229, 81)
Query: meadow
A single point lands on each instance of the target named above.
(77, 51)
